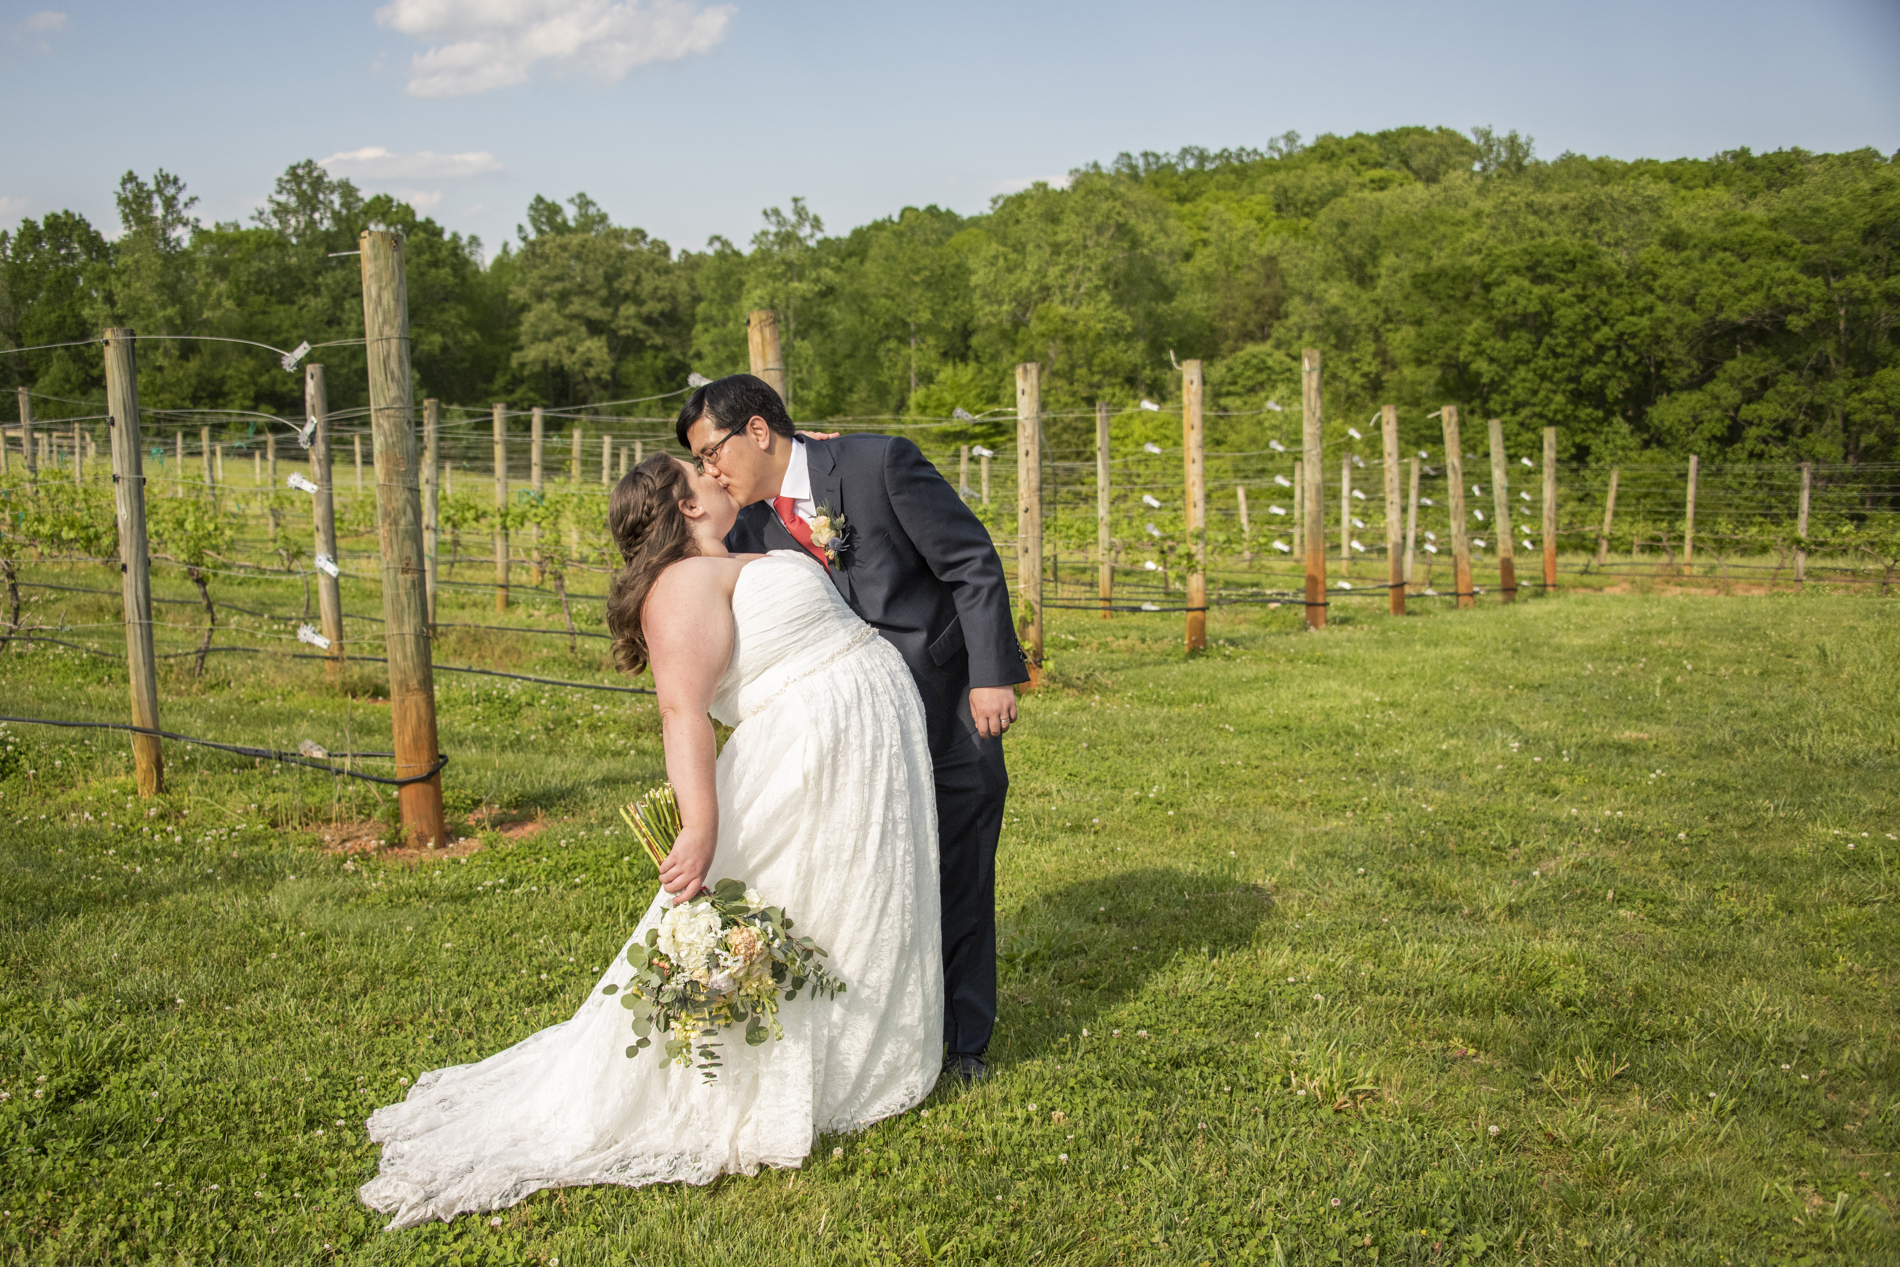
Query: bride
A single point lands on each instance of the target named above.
(822, 800)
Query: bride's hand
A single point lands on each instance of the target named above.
(684, 872)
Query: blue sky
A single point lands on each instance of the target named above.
(687, 117)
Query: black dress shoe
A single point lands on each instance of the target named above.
(968, 1069)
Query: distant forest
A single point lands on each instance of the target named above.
(1742, 307)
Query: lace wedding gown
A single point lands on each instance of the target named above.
(826, 806)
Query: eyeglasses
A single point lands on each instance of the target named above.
(706, 455)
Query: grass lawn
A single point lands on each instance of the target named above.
(1559, 933)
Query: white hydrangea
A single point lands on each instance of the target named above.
(688, 935)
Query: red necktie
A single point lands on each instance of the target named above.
(800, 530)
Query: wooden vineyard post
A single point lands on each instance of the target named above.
(1501, 509)
(1193, 392)
(1550, 510)
(399, 530)
(1246, 525)
(535, 455)
(638, 454)
(1411, 525)
(1104, 544)
(270, 478)
(963, 471)
(606, 461)
(204, 458)
(178, 469)
(1345, 515)
(1029, 512)
(501, 507)
(431, 497)
(135, 564)
(1313, 505)
(1460, 537)
(1299, 508)
(1394, 561)
(27, 454)
(1801, 524)
(621, 472)
(79, 457)
(761, 341)
(574, 460)
(316, 404)
(984, 474)
(356, 444)
(1609, 517)
(1688, 521)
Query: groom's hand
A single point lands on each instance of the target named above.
(821, 435)
(993, 709)
(684, 872)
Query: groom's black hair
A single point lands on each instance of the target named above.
(731, 402)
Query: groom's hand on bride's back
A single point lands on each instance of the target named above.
(993, 709)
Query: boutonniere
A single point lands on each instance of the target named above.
(830, 533)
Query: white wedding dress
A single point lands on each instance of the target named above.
(827, 807)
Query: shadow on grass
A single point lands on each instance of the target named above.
(1068, 955)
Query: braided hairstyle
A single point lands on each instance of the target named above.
(644, 517)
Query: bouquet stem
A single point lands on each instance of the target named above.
(655, 821)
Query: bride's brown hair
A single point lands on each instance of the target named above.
(644, 517)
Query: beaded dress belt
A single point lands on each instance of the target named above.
(858, 639)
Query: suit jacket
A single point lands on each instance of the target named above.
(918, 566)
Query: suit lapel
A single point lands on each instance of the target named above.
(775, 534)
(827, 488)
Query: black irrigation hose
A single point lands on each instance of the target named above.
(519, 677)
(363, 659)
(261, 754)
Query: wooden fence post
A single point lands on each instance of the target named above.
(356, 445)
(1246, 525)
(178, 471)
(431, 498)
(1345, 515)
(1104, 544)
(985, 475)
(399, 523)
(1029, 511)
(1609, 517)
(1411, 526)
(204, 458)
(1313, 507)
(1688, 522)
(1299, 508)
(1394, 561)
(135, 564)
(621, 472)
(79, 457)
(1801, 524)
(535, 455)
(1195, 460)
(1550, 510)
(606, 461)
(1460, 537)
(270, 479)
(27, 453)
(1501, 509)
(762, 346)
(963, 471)
(501, 506)
(574, 460)
(316, 403)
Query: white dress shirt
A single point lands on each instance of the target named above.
(797, 484)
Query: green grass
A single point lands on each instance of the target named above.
(1559, 933)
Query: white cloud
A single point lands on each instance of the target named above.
(31, 31)
(476, 45)
(1017, 186)
(375, 163)
(45, 20)
(423, 200)
(10, 207)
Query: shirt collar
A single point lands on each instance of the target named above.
(797, 482)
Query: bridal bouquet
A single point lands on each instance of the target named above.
(723, 958)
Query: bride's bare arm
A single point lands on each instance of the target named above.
(688, 621)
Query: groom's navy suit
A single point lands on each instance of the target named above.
(920, 568)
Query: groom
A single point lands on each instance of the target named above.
(916, 564)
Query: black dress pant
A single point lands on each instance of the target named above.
(972, 783)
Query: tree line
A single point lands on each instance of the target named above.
(1742, 307)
